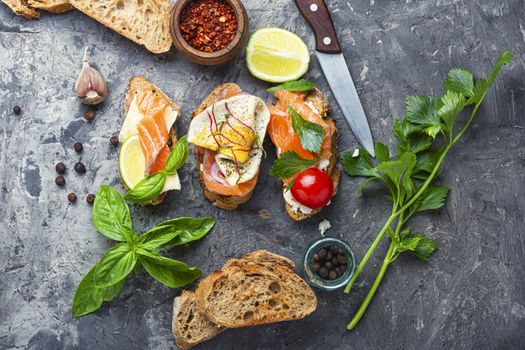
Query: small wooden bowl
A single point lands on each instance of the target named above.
(210, 58)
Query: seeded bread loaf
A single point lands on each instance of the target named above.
(54, 6)
(221, 201)
(22, 8)
(243, 295)
(140, 83)
(145, 22)
(190, 326)
(316, 99)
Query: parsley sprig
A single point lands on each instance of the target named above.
(409, 177)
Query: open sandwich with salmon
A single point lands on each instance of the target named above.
(306, 142)
(228, 129)
(147, 135)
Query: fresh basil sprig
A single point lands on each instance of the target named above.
(408, 178)
(151, 186)
(294, 85)
(310, 134)
(291, 163)
(105, 280)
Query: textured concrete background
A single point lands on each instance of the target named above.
(469, 295)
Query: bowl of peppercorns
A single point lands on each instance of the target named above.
(209, 32)
(328, 263)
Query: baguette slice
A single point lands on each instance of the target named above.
(22, 8)
(252, 294)
(316, 99)
(139, 83)
(221, 201)
(54, 6)
(145, 22)
(190, 326)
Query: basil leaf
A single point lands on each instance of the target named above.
(294, 85)
(289, 164)
(188, 229)
(115, 265)
(88, 297)
(172, 273)
(110, 213)
(129, 235)
(178, 155)
(147, 189)
(109, 293)
(310, 134)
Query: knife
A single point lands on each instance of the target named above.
(336, 71)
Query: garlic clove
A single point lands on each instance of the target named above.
(90, 87)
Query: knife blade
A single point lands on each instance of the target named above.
(333, 64)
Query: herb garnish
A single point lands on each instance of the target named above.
(294, 85)
(409, 178)
(291, 163)
(151, 186)
(310, 134)
(105, 280)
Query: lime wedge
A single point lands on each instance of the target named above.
(131, 162)
(277, 55)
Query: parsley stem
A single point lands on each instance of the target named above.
(373, 290)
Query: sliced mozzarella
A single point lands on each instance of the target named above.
(172, 183)
(296, 206)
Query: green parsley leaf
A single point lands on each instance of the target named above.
(295, 85)
(289, 164)
(433, 198)
(382, 152)
(422, 110)
(460, 81)
(396, 169)
(425, 247)
(452, 103)
(311, 134)
(361, 165)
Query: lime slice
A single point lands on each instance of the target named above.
(277, 55)
(131, 162)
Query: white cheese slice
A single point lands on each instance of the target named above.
(296, 206)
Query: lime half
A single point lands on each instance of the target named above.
(131, 162)
(277, 55)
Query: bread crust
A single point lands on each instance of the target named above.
(22, 8)
(53, 6)
(218, 200)
(316, 98)
(135, 84)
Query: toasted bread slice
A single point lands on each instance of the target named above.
(139, 83)
(22, 8)
(221, 201)
(145, 22)
(251, 294)
(316, 99)
(262, 257)
(190, 326)
(54, 6)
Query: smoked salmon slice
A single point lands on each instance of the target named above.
(280, 127)
(152, 131)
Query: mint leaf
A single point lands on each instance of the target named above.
(358, 166)
(178, 156)
(289, 164)
(433, 198)
(295, 85)
(172, 273)
(382, 152)
(176, 232)
(110, 213)
(310, 134)
(147, 189)
(460, 81)
(115, 265)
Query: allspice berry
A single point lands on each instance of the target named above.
(60, 168)
(90, 198)
(78, 147)
(72, 197)
(90, 114)
(114, 140)
(60, 181)
(80, 168)
(17, 110)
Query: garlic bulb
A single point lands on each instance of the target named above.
(90, 87)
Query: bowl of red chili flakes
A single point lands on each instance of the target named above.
(209, 32)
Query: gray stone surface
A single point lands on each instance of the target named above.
(470, 295)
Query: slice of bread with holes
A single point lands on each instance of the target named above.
(54, 6)
(145, 22)
(22, 8)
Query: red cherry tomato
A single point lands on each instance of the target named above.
(313, 188)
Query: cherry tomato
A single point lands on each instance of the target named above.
(313, 188)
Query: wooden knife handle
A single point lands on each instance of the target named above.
(318, 17)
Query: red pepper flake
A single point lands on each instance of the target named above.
(208, 25)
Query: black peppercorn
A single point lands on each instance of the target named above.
(60, 180)
(323, 272)
(90, 114)
(90, 198)
(80, 168)
(322, 253)
(17, 110)
(72, 197)
(114, 140)
(332, 275)
(60, 168)
(78, 147)
(329, 265)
